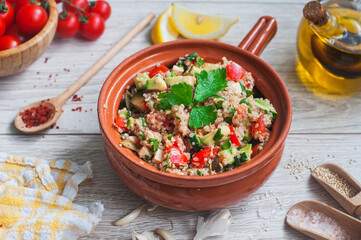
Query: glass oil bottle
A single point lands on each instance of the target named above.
(329, 45)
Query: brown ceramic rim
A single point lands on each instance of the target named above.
(156, 175)
(53, 14)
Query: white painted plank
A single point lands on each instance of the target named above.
(260, 216)
(311, 113)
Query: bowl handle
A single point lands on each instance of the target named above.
(260, 35)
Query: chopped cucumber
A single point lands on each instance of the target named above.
(124, 112)
(267, 107)
(137, 101)
(194, 70)
(130, 122)
(156, 83)
(194, 140)
(181, 79)
(141, 80)
(209, 138)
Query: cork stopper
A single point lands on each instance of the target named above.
(315, 13)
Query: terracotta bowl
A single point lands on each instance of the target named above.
(19, 58)
(195, 193)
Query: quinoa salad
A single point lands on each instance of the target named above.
(195, 118)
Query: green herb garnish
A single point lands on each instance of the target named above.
(232, 110)
(202, 116)
(249, 110)
(155, 143)
(228, 119)
(200, 61)
(192, 56)
(199, 173)
(219, 104)
(172, 74)
(244, 101)
(170, 136)
(209, 84)
(245, 90)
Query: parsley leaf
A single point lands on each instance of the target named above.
(180, 93)
(163, 102)
(245, 90)
(200, 61)
(209, 84)
(202, 116)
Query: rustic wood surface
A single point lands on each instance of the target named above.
(324, 129)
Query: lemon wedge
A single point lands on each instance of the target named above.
(163, 29)
(201, 26)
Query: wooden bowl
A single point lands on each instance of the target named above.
(17, 59)
(197, 193)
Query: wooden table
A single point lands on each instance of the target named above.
(324, 128)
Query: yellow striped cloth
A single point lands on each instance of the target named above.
(36, 199)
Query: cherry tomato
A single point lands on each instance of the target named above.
(102, 8)
(68, 25)
(12, 1)
(7, 42)
(120, 122)
(93, 28)
(176, 155)
(259, 126)
(21, 3)
(8, 14)
(80, 4)
(58, 1)
(233, 136)
(2, 27)
(235, 72)
(31, 19)
(13, 30)
(160, 69)
(200, 157)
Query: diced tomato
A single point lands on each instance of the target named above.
(162, 119)
(254, 150)
(120, 122)
(233, 137)
(176, 155)
(160, 69)
(235, 72)
(200, 157)
(259, 126)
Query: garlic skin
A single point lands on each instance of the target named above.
(144, 236)
(216, 224)
(165, 234)
(134, 214)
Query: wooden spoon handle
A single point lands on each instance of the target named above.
(104, 60)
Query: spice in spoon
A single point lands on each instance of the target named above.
(336, 181)
(317, 222)
(36, 116)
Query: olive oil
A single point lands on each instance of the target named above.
(330, 55)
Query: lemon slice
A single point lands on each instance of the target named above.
(197, 25)
(163, 29)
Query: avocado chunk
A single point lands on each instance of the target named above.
(208, 138)
(181, 79)
(212, 137)
(267, 107)
(141, 80)
(156, 83)
(194, 140)
(248, 150)
(137, 101)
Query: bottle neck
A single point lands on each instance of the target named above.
(331, 29)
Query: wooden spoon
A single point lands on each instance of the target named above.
(351, 205)
(350, 225)
(56, 104)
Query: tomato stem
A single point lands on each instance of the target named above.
(3, 7)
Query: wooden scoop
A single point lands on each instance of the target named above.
(56, 104)
(350, 225)
(351, 205)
